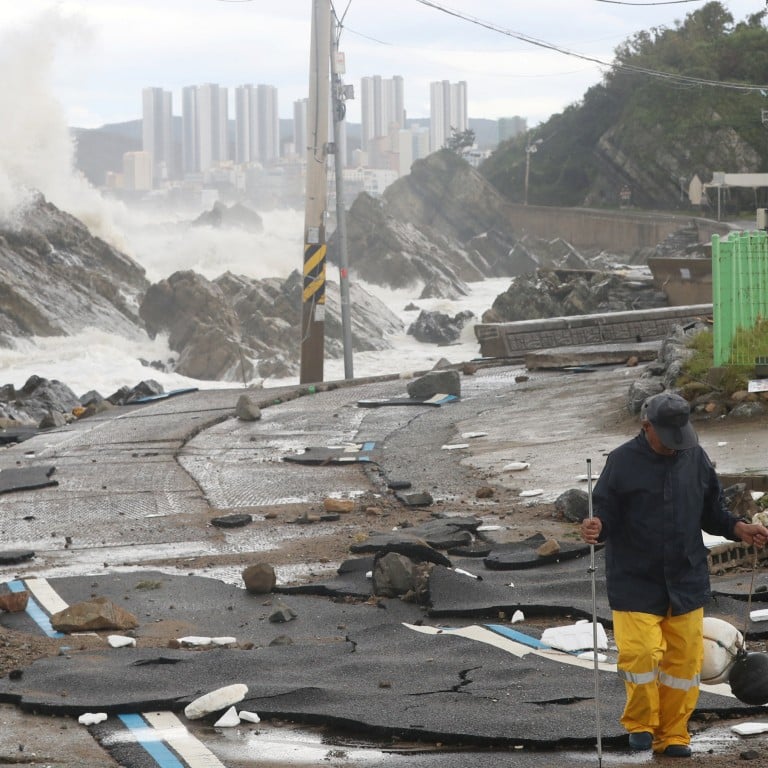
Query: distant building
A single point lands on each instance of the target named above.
(509, 127)
(413, 144)
(371, 180)
(300, 139)
(205, 118)
(382, 105)
(137, 171)
(157, 132)
(447, 111)
(268, 124)
(246, 125)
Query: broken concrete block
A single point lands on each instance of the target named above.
(548, 548)
(14, 602)
(339, 505)
(93, 615)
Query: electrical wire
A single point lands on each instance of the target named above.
(659, 2)
(629, 68)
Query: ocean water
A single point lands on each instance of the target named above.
(96, 360)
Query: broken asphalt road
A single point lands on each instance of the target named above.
(149, 480)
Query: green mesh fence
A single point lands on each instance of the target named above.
(739, 296)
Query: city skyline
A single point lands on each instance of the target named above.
(210, 138)
(525, 58)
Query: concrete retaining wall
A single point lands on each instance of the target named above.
(617, 231)
(515, 339)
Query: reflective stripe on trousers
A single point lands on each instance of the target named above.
(660, 660)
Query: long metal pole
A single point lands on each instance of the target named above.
(313, 293)
(594, 623)
(339, 111)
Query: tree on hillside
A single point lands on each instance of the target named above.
(647, 127)
(460, 140)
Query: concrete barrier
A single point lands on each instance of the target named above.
(514, 340)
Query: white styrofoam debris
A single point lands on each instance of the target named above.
(121, 641)
(472, 435)
(749, 729)
(759, 615)
(229, 719)
(464, 573)
(195, 640)
(91, 718)
(591, 656)
(454, 446)
(249, 717)
(515, 466)
(722, 443)
(224, 640)
(518, 615)
(214, 701)
(532, 492)
(575, 637)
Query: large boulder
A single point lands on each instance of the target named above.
(201, 326)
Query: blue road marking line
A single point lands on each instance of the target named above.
(36, 613)
(158, 751)
(513, 634)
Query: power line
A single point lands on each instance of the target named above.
(659, 2)
(630, 68)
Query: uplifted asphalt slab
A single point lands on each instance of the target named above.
(388, 670)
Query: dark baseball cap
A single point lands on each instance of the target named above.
(669, 414)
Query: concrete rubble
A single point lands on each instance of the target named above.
(411, 636)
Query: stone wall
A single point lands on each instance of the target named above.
(514, 340)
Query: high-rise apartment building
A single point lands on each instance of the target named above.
(246, 125)
(205, 125)
(268, 124)
(382, 105)
(300, 138)
(157, 131)
(447, 111)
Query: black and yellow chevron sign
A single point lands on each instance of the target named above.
(314, 273)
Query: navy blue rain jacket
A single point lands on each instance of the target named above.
(653, 509)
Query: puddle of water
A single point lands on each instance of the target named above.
(269, 744)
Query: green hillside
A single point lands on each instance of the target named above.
(677, 102)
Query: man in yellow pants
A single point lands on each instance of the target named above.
(652, 500)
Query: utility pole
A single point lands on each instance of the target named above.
(313, 293)
(340, 94)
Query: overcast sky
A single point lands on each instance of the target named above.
(103, 52)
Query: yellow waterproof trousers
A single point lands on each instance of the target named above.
(660, 660)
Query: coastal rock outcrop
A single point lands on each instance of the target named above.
(56, 278)
(440, 227)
